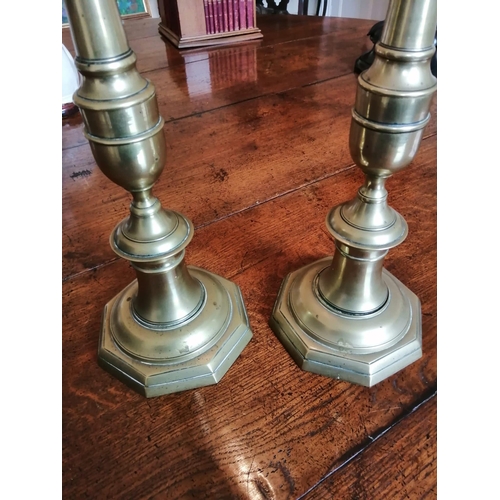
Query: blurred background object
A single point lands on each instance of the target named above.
(70, 82)
(365, 60)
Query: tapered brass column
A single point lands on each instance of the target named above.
(348, 317)
(176, 327)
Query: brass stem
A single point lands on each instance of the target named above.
(167, 293)
(353, 283)
(169, 330)
(96, 28)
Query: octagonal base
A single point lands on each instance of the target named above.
(225, 324)
(363, 349)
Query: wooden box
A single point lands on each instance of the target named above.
(198, 23)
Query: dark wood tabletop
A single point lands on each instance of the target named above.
(257, 153)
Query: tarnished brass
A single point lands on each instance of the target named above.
(348, 317)
(175, 327)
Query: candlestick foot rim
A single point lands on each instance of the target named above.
(342, 346)
(227, 336)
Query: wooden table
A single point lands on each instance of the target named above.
(258, 152)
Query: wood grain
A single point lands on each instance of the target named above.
(267, 427)
(144, 40)
(399, 464)
(257, 177)
(218, 164)
(198, 85)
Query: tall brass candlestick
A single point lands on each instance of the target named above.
(350, 318)
(174, 328)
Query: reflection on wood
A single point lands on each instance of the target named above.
(233, 66)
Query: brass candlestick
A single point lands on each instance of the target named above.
(349, 318)
(174, 328)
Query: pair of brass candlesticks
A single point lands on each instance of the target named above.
(178, 327)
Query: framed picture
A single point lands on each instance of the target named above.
(127, 8)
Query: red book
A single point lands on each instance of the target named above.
(216, 16)
(221, 19)
(220, 16)
(243, 15)
(236, 18)
(250, 4)
(226, 15)
(229, 6)
(207, 16)
(211, 16)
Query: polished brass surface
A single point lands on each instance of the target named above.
(175, 327)
(348, 317)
